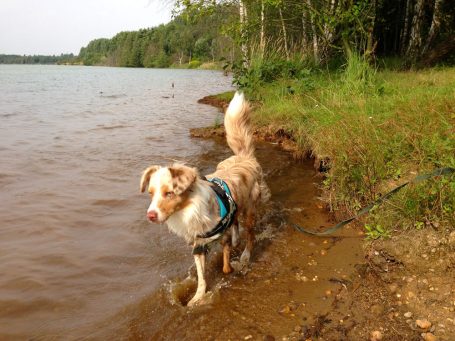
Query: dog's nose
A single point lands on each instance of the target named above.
(152, 215)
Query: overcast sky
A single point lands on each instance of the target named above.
(64, 26)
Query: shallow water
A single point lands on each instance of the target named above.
(78, 258)
(74, 245)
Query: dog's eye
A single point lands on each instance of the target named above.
(169, 194)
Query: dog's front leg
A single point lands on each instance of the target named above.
(201, 284)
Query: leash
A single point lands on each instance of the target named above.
(419, 178)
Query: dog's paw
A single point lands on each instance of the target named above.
(245, 257)
(194, 302)
(200, 300)
(240, 268)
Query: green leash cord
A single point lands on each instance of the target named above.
(419, 178)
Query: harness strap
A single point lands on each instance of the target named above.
(222, 192)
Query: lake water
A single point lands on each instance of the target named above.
(75, 246)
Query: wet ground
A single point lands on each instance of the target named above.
(292, 281)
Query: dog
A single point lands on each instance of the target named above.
(193, 207)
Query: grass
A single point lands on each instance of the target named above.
(378, 129)
(225, 96)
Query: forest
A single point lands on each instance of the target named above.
(186, 40)
(412, 32)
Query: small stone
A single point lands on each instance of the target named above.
(297, 329)
(377, 309)
(248, 337)
(393, 288)
(328, 292)
(408, 314)
(429, 337)
(423, 324)
(323, 252)
(285, 310)
(376, 336)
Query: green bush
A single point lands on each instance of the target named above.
(194, 64)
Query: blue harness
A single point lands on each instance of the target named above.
(228, 210)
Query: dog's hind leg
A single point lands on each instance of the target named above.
(226, 242)
(201, 284)
(235, 233)
(249, 227)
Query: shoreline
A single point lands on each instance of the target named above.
(404, 280)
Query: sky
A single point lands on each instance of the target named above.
(51, 27)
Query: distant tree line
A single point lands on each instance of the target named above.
(188, 39)
(36, 59)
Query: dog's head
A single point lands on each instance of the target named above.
(168, 188)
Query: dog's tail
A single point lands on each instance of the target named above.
(237, 125)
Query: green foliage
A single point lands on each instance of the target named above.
(376, 232)
(176, 43)
(358, 76)
(194, 64)
(263, 71)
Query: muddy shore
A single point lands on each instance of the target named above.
(396, 289)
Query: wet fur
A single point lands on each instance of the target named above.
(187, 203)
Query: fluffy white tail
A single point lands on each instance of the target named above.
(237, 124)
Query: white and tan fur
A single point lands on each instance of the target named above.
(189, 206)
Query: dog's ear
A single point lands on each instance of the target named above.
(182, 177)
(146, 176)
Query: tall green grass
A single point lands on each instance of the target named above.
(378, 129)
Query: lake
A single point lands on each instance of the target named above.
(75, 246)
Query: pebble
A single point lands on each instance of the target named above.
(377, 309)
(376, 336)
(393, 288)
(297, 329)
(286, 310)
(248, 337)
(407, 314)
(323, 252)
(429, 337)
(328, 292)
(423, 324)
